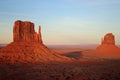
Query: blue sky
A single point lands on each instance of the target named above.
(63, 21)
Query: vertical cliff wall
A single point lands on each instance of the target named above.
(24, 31)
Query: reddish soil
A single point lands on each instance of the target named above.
(79, 70)
(84, 68)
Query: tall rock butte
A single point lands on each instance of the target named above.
(107, 48)
(109, 39)
(27, 46)
(108, 42)
(24, 31)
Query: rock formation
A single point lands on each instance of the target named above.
(108, 39)
(24, 31)
(107, 49)
(108, 42)
(27, 46)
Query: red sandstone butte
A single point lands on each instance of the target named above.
(24, 31)
(107, 48)
(108, 43)
(109, 39)
(27, 46)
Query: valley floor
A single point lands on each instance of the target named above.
(79, 70)
(82, 69)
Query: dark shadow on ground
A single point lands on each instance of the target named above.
(76, 54)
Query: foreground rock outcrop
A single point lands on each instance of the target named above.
(27, 46)
(24, 31)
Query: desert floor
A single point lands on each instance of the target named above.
(84, 68)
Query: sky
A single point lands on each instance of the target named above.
(63, 21)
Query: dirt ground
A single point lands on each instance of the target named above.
(82, 69)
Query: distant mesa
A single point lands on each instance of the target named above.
(108, 43)
(27, 46)
(107, 48)
(109, 39)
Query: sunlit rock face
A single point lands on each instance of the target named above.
(107, 49)
(108, 43)
(108, 39)
(27, 46)
(24, 31)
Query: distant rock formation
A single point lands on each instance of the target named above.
(27, 46)
(108, 39)
(107, 49)
(108, 42)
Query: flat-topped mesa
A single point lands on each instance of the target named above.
(109, 39)
(24, 31)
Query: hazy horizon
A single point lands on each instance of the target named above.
(63, 21)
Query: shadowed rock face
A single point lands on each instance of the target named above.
(27, 46)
